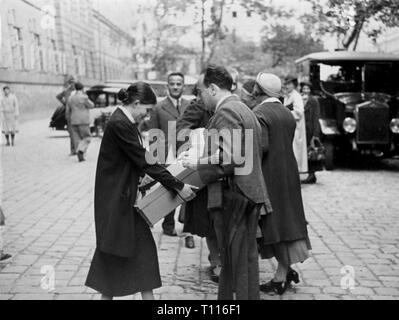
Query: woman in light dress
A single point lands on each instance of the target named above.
(293, 100)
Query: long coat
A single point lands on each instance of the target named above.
(235, 203)
(295, 102)
(312, 117)
(164, 113)
(121, 163)
(9, 113)
(280, 171)
(78, 109)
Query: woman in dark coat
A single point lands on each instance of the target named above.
(312, 116)
(125, 261)
(284, 231)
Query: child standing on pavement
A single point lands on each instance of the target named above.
(4, 258)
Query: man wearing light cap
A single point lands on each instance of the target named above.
(284, 231)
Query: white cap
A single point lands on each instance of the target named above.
(270, 84)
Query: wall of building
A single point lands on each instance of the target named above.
(44, 41)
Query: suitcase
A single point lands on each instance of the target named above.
(159, 201)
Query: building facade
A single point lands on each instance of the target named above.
(44, 41)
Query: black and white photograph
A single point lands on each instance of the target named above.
(199, 150)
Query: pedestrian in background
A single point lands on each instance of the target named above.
(9, 112)
(4, 257)
(63, 98)
(78, 111)
(293, 101)
(284, 231)
(313, 130)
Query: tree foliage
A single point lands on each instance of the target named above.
(349, 18)
(285, 45)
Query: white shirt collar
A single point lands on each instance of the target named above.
(127, 114)
(175, 101)
(222, 101)
(270, 100)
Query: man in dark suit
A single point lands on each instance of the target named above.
(164, 117)
(237, 193)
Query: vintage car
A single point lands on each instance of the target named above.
(358, 95)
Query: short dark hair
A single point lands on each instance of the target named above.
(5, 88)
(219, 76)
(249, 85)
(79, 86)
(176, 74)
(140, 91)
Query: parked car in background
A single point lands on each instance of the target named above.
(358, 94)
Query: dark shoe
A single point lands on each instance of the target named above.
(170, 233)
(310, 180)
(274, 287)
(73, 154)
(214, 274)
(7, 144)
(292, 276)
(5, 258)
(81, 156)
(190, 244)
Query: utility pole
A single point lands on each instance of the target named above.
(203, 33)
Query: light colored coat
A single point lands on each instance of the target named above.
(300, 144)
(9, 113)
(77, 109)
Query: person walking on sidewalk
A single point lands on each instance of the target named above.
(9, 109)
(78, 111)
(63, 98)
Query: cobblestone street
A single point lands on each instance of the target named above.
(47, 198)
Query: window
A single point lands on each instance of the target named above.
(38, 53)
(234, 14)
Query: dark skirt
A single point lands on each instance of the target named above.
(196, 217)
(115, 276)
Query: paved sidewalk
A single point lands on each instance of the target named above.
(48, 201)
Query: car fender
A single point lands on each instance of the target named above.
(329, 127)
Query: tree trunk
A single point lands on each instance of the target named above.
(354, 33)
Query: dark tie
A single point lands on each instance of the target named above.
(178, 106)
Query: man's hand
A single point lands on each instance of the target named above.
(187, 161)
(187, 193)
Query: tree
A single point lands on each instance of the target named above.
(349, 18)
(285, 45)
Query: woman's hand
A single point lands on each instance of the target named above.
(187, 193)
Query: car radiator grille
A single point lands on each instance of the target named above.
(373, 123)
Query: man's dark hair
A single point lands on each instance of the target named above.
(219, 76)
(249, 85)
(6, 87)
(176, 74)
(78, 86)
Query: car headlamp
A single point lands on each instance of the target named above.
(394, 125)
(349, 125)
